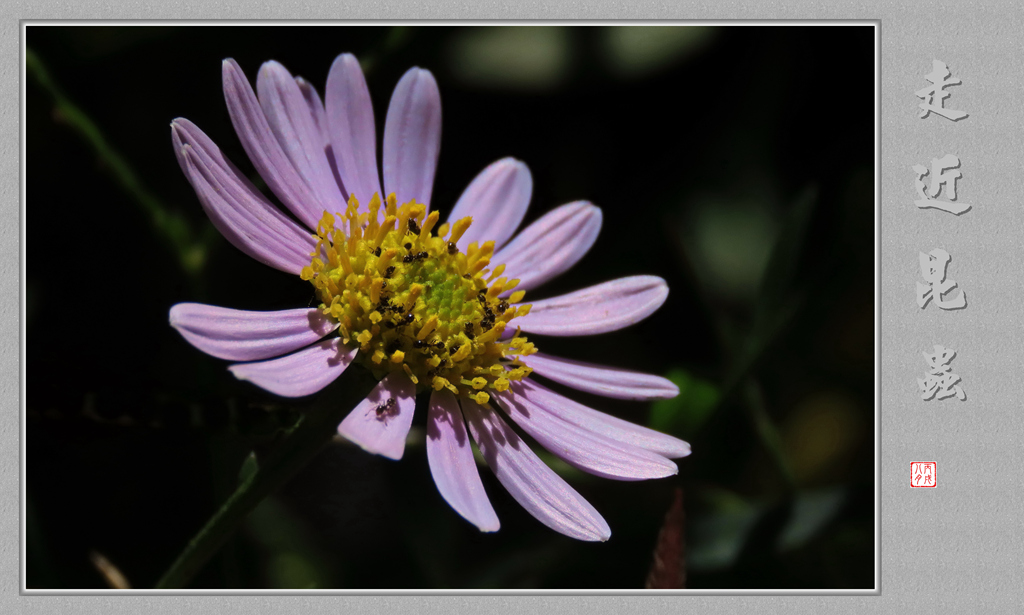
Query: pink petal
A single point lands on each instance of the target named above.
(534, 485)
(290, 118)
(602, 380)
(452, 465)
(351, 126)
(581, 448)
(601, 423)
(264, 149)
(243, 215)
(299, 374)
(551, 245)
(496, 199)
(238, 335)
(412, 137)
(316, 109)
(598, 309)
(383, 432)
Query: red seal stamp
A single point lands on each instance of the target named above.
(922, 474)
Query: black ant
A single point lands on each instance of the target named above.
(414, 228)
(488, 320)
(408, 246)
(452, 248)
(405, 320)
(377, 251)
(503, 306)
(384, 410)
(390, 271)
(433, 347)
(469, 330)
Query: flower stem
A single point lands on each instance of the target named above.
(768, 433)
(314, 430)
(190, 246)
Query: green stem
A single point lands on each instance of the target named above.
(314, 430)
(743, 361)
(169, 226)
(769, 434)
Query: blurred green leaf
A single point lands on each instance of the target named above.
(249, 468)
(780, 272)
(397, 37)
(686, 413)
(518, 57)
(723, 523)
(813, 511)
(294, 560)
(729, 240)
(638, 51)
(719, 529)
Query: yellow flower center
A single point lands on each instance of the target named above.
(414, 302)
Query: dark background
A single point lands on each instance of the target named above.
(736, 163)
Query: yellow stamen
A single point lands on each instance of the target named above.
(492, 334)
(414, 304)
(500, 269)
(496, 289)
(428, 224)
(372, 224)
(428, 327)
(462, 353)
(459, 228)
(382, 232)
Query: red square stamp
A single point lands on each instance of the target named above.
(922, 474)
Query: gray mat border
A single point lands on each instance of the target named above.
(911, 577)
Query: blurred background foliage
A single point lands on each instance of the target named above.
(735, 162)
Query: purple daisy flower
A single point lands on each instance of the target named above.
(418, 303)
